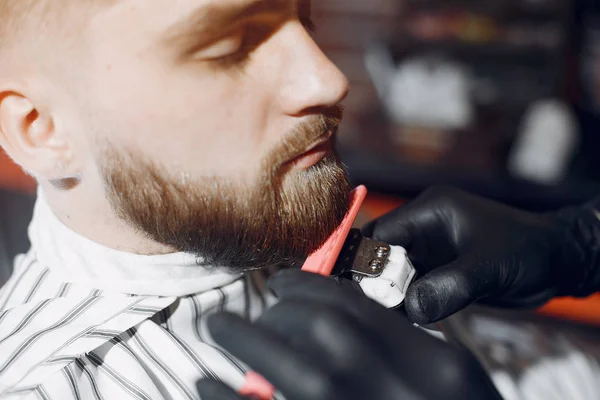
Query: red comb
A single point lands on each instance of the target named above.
(320, 262)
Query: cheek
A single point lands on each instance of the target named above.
(183, 122)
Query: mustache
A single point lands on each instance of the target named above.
(306, 133)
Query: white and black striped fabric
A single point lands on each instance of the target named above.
(70, 329)
(65, 341)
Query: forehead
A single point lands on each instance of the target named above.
(161, 15)
(136, 14)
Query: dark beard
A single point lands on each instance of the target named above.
(280, 221)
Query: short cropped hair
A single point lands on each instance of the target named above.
(19, 18)
(29, 22)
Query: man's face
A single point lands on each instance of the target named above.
(201, 115)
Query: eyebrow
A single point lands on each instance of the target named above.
(213, 19)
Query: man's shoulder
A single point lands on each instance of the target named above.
(61, 337)
(30, 281)
(39, 338)
(144, 361)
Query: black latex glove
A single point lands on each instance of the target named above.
(468, 248)
(327, 341)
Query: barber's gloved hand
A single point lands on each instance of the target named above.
(467, 248)
(327, 341)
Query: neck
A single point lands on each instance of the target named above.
(138, 269)
(92, 217)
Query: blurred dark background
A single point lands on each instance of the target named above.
(501, 98)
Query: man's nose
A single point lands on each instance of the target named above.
(309, 80)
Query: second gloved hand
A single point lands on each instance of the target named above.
(466, 248)
(327, 341)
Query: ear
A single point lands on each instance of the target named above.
(29, 136)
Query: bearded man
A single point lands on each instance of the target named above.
(181, 147)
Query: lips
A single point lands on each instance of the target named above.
(314, 153)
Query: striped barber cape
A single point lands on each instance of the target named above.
(80, 321)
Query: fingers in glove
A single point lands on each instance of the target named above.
(213, 390)
(449, 289)
(323, 323)
(387, 325)
(389, 229)
(325, 334)
(424, 235)
(302, 286)
(272, 356)
(400, 225)
(342, 344)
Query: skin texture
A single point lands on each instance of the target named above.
(169, 126)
